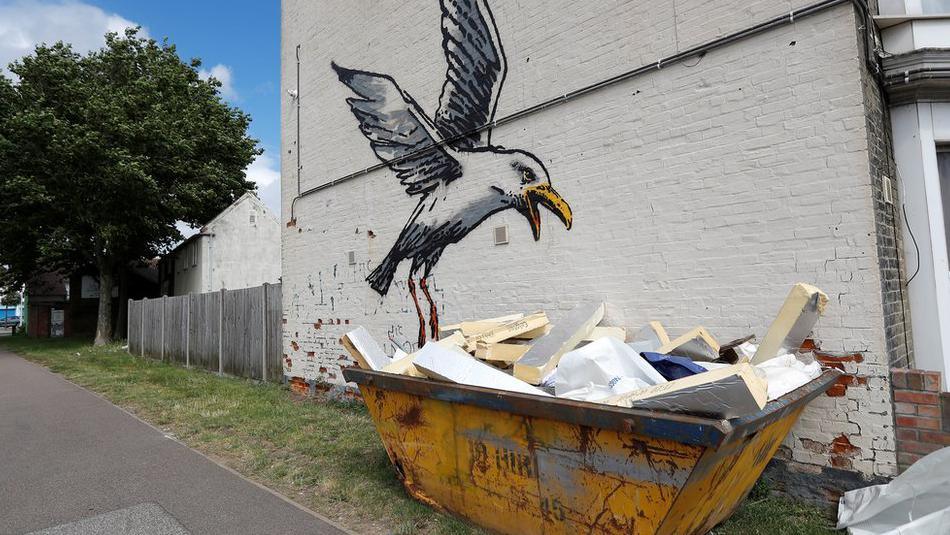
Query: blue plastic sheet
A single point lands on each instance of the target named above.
(672, 367)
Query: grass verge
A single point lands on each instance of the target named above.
(324, 455)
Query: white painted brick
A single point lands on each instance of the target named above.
(700, 194)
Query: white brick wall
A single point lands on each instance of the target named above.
(700, 193)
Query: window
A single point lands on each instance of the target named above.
(253, 218)
(194, 254)
(943, 169)
(934, 7)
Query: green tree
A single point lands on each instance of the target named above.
(101, 154)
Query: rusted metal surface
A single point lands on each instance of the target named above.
(523, 464)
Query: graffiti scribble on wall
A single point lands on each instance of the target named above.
(433, 157)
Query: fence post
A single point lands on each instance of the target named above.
(188, 331)
(128, 325)
(221, 332)
(164, 300)
(142, 339)
(264, 332)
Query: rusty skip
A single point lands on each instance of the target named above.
(522, 464)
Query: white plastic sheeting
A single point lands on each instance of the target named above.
(606, 367)
(916, 502)
(786, 373)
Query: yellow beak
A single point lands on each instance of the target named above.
(546, 196)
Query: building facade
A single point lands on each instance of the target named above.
(239, 248)
(706, 157)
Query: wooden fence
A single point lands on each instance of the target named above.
(236, 332)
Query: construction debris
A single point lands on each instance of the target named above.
(578, 358)
(728, 392)
(917, 502)
(795, 321)
(404, 366)
(618, 333)
(471, 328)
(786, 373)
(364, 349)
(546, 352)
(455, 366)
(499, 352)
(507, 330)
(697, 344)
(735, 351)
(603, 368)
(672, 367)
(650, 338)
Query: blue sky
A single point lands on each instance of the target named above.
(238, 42)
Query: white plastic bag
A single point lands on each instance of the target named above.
(916, 502)
(606, 367)
(786, 373)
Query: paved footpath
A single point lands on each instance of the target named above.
(72, 463)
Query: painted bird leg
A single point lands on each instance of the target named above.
(422, 319)
(433, 310)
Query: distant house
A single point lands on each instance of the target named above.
(239, 248)
(60, 304)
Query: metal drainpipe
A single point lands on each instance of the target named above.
(698, 50)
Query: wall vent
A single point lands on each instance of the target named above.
(888, 188)
(501, 235)
(351, 258)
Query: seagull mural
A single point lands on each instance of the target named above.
(447, 160)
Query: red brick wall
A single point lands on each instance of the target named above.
(922, 414)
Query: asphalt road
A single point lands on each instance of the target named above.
(73, 463)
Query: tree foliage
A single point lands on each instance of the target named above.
(101, 154)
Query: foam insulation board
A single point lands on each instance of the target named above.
(794, 322)
(697, 344)
(727, 392)
(364, 349)
(508, 330)
(456, 367)
(499, 352)
(650, 338)
(547, 351)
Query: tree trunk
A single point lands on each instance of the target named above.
(104, 322)
(121, 317)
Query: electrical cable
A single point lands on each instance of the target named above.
(914, 239)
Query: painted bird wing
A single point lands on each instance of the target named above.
(476, 72)
(398, 131)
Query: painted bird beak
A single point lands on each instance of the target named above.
(545, 195)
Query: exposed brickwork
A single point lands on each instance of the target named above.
(920, 414)
(896, 308)
(701, 192)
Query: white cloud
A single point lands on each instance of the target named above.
(27, 23)
(223, 74)
(265, 172)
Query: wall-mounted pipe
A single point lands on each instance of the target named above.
(696, 51)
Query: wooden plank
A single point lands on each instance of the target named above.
(500, 352)
(507, 330)
(546, 351)
(135, 328)
(728, 392)
(275, 314)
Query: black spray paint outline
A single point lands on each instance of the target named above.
(414, 147)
